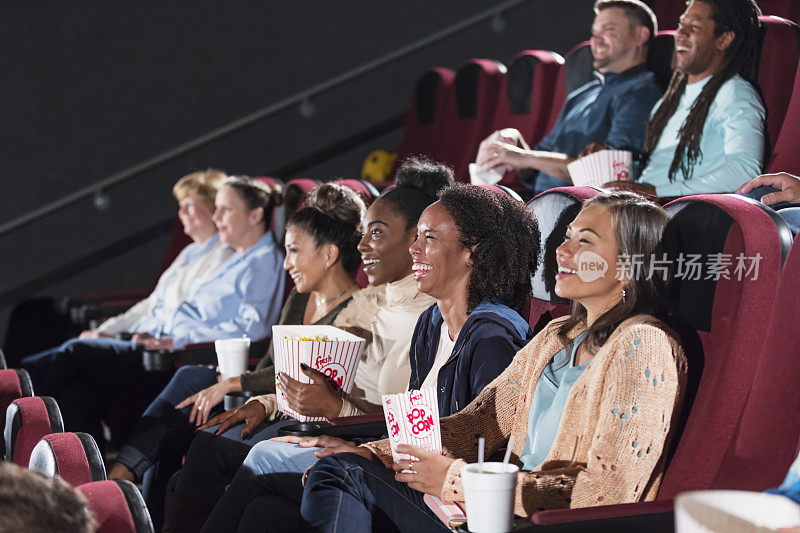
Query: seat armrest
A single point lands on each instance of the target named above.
(360, 419)
(606, 511)
(193, 354)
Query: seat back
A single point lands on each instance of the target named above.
(468, 116)
(73, 456)
(780, 50)
(277, 220)
(769, 428)
(117, 506)
(727, 315)
(785, 156)
(433, 92)
(13, 384)
(554, 209)
(3, 363)
(526, 94)
(27, 421)
(365, 189)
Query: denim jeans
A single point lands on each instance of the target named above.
(213, 460)
(161, 418)
(86, 375)
(346, 492)
(267, 482)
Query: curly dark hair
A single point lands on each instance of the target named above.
(504, 241)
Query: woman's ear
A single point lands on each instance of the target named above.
(330, 253)
(256, 216)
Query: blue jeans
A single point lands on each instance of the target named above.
(85, 376)
(271, 468)
(346, 492)
(213, 460)
(161, 418)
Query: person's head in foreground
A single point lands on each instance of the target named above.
(243, 211)
(390, 225)
(715, 39)
(195, 194)
(473, 246)
(599, 423)
(622, 31)
(322, 241)
(33, 503)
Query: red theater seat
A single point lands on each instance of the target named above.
(780, 50)
(554, 210)
(526, 93)
(728, 316)
(785, 155)
(73, 456)
(365, 189)
(468, 117)
(27, 421)
(433, 93)
(13, 384)
(117, 506)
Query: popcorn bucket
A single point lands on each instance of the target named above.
(413, 418)
(330, 350)
(734, 511)
(601, 167)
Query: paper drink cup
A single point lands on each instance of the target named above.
(232, 356)
(413, 418)
(734, 511)
(336, 356)
(489, 493)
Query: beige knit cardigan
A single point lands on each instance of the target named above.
(614, 431)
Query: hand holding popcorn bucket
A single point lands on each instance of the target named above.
(413, 418)
(599, 168)
(332, 351)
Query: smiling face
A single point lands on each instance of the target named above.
(590, 237)
(698, 52)
(238, 226)
(305, 262)
(441, 265)
(384, 244)
(195, 217)
(614, 40)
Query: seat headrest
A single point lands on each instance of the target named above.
(27, 421)
(73, 456)
(117, 506)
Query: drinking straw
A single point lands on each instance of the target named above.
(507, 456)
(249, 323)
(481, 444)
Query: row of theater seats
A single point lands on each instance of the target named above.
(451, 112)
(34, 438)
(740, 422)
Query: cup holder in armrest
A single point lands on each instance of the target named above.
(236, 399)
(305, 429)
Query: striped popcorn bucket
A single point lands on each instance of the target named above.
(413, 418)
(336, 356)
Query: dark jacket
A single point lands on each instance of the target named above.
(489, 339)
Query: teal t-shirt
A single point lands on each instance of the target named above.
(549, 399)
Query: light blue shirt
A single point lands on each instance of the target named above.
(155, 317)
(548, 402)
(732, 145)
(242, 296)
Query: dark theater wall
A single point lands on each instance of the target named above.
(93, 87)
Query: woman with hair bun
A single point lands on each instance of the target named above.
(321, 257)
(384, 313)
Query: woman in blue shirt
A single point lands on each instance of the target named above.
(240, 297)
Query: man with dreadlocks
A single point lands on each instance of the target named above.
(706, 135)
(611, 109)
